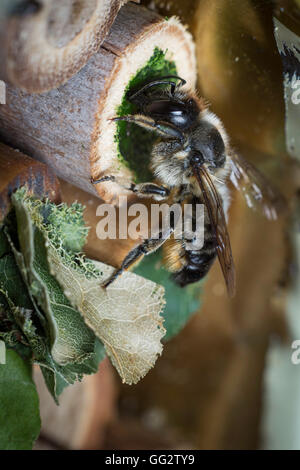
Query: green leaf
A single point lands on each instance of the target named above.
(181, 303)
(57, 378)
(66, 225)
(71, 339)
(19, 405)
(33, 307)
(12, 291)
(12, 282)
(130, 327)
(4, 245)
(65, 319)
(40, 293)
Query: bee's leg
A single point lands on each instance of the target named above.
(164, 129)
(158, 192)
(136, 254)
(133, 97)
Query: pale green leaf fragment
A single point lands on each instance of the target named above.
(181, 304)
(125, 317)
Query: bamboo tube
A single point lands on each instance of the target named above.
(45, 42)
(16, 170)
(69, 128)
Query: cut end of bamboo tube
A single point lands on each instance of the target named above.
(70, 128)
(46, 43)
(158, 37)
(17, 170)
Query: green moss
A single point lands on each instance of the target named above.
(134, 143)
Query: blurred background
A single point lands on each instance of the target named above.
(227, 381)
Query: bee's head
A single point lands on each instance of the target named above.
(181, 114)
(208, 141)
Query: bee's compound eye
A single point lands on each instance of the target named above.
(26, 8)
(197, 158)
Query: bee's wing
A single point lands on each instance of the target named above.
(256, 189)
(215, 211)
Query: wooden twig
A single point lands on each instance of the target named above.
(16, 170)
(44, 43)
(69, 128)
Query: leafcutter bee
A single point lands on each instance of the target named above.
(192, 162)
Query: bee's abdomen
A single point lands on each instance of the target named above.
(191, 265)
(197, 265)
